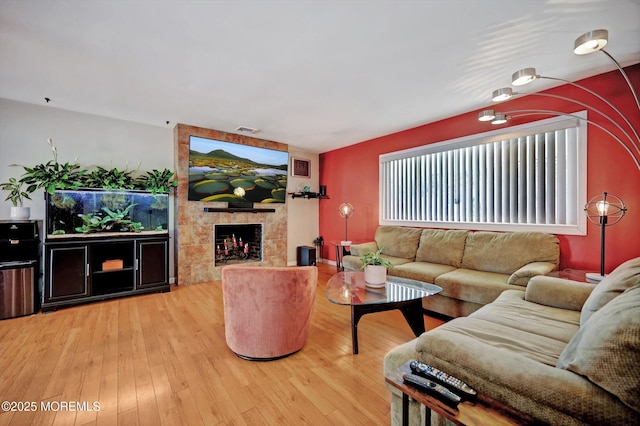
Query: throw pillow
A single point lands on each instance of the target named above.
(606, 349)
(442, 246)
(398, 241)
(623, 277)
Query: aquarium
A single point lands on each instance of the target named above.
(96, 211)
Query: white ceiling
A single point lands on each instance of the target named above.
(317, 75)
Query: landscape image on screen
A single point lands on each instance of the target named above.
(235, 173)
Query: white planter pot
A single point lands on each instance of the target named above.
(375, 275)
(20, 213)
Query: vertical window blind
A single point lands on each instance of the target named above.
(530, 177)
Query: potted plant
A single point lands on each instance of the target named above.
(375, 268)
(16, 196)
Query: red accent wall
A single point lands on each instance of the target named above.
(351, 173)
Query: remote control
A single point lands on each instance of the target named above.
(426, 385)
(450, 382)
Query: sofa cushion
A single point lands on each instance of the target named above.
(607, 348)
(512, 310)
(558, 292)
(395, 261)
(441, 246)
(363, 248)
(530, 270)
(421, 271)
(518, 369)
(398, 241)
(623, 277)
(473, 286)
(505, 253)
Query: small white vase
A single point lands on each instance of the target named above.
(375, 274)
(20, 213)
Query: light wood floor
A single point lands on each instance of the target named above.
(161, 359)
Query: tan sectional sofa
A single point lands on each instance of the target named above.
(472, 268)
(562, 352)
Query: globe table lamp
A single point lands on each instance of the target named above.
(346, 210)
(603, 210)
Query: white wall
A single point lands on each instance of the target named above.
(94, 140)
(303, 223)
(107, 142)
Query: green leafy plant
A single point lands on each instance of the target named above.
(16, 194)
(109, 179)
(53, 175)
(157, 181)
(372, 258)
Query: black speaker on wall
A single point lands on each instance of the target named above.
(323, 190)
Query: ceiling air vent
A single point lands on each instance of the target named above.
(245, 129)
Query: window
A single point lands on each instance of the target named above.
(525, 178)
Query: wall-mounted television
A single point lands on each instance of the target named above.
(238, 174)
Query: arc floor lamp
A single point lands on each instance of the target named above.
(606, 209)
(593, 41)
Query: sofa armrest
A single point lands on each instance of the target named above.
(363, 248)
(530, 270)
(558, 292)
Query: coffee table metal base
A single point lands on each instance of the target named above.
(411, 310)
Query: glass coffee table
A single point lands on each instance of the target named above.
(349, 288)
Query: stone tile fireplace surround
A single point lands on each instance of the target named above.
(194, 228)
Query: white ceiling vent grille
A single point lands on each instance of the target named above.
(245, 129)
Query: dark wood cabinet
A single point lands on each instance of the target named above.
(70, 273)
(79, 270)
(150, 273)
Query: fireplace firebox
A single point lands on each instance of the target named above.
(237, 243)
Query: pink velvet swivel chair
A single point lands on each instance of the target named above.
(267, 310)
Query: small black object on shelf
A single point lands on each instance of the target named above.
(307, 195)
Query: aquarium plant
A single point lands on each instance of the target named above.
(113, 221)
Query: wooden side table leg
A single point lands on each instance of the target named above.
(405, 409)
(339, 258)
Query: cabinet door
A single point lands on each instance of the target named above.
(67, 271)
(152, 263)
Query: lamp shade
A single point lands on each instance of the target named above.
(523, 76)
(500, 118)
(346, 210)
(486, 115)
(591, 42)
(501, 94)
(606, 206)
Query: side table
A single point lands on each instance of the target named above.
(342, 249)
(570, 274)
(485, 411)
